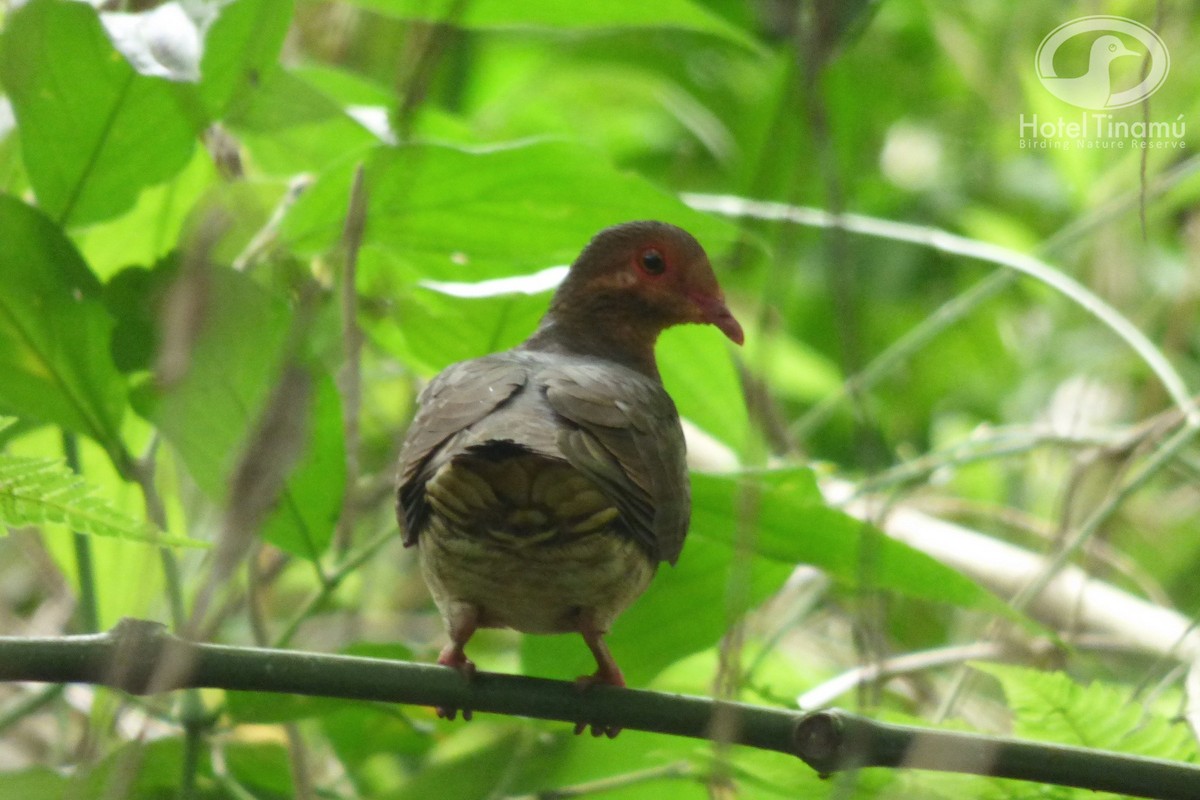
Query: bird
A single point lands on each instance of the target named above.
(542, 486)
(1093, 88)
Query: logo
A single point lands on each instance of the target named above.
(1105, 40)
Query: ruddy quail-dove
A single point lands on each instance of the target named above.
(544, 484)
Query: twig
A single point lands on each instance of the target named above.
(350, 375)
(89, 611)
(985, 445)
(825, 693)
(1148, 470)
(1191, 690)
(1097, 550)
(29, 704)
(193, 714)
(298, 759)
(942, 318)
(329, 584)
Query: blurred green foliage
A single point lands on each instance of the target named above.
(176, 180)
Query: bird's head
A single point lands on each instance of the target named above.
(645, 277)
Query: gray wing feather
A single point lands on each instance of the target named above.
(460, 396)
(630, 442)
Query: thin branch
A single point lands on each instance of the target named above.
(330, 583)
(826, 693)
(350, 375)
(1149, 469)
(1098, 551)
(912, 342)
(28, 705)
(1191, 689)
(985, 444)
(141, 657)
(89, 609)
(143, 476)
(298, 759)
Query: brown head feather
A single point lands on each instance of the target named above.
(630, 283)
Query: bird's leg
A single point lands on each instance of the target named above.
(607, 673)
(461, 622)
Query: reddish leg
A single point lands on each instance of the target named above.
(461, 622)
(607, 673)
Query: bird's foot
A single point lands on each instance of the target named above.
(606, 675)
(453, 656)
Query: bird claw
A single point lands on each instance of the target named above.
(597, 730)
(450, 714)
(600, 678)
(456, 659)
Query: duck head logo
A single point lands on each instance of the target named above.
(1108, 39)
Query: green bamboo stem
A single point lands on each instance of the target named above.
(141, 657)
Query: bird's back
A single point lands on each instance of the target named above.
(539, 502)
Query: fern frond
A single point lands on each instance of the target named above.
(37, 491)
(1053, 706)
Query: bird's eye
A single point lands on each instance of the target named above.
(653, 262)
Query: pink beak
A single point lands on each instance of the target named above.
(713, 311)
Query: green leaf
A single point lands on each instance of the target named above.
(1053, 706)
(680, 15)
(34, 783)
(263, 766)
(159, 765)
(793, 525)
(699, 373)
(449, 214)
(361, 732)
(94, 132)
(481, 764)
(793, 369)
(240, 48)
(307, 514)
(134, 296)
(209, 413)
(287, 126)
(429, 330)
(54, 332)
(152, 227)
(40, 491)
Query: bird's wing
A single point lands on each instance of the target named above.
(624, 433)
(460, 396)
